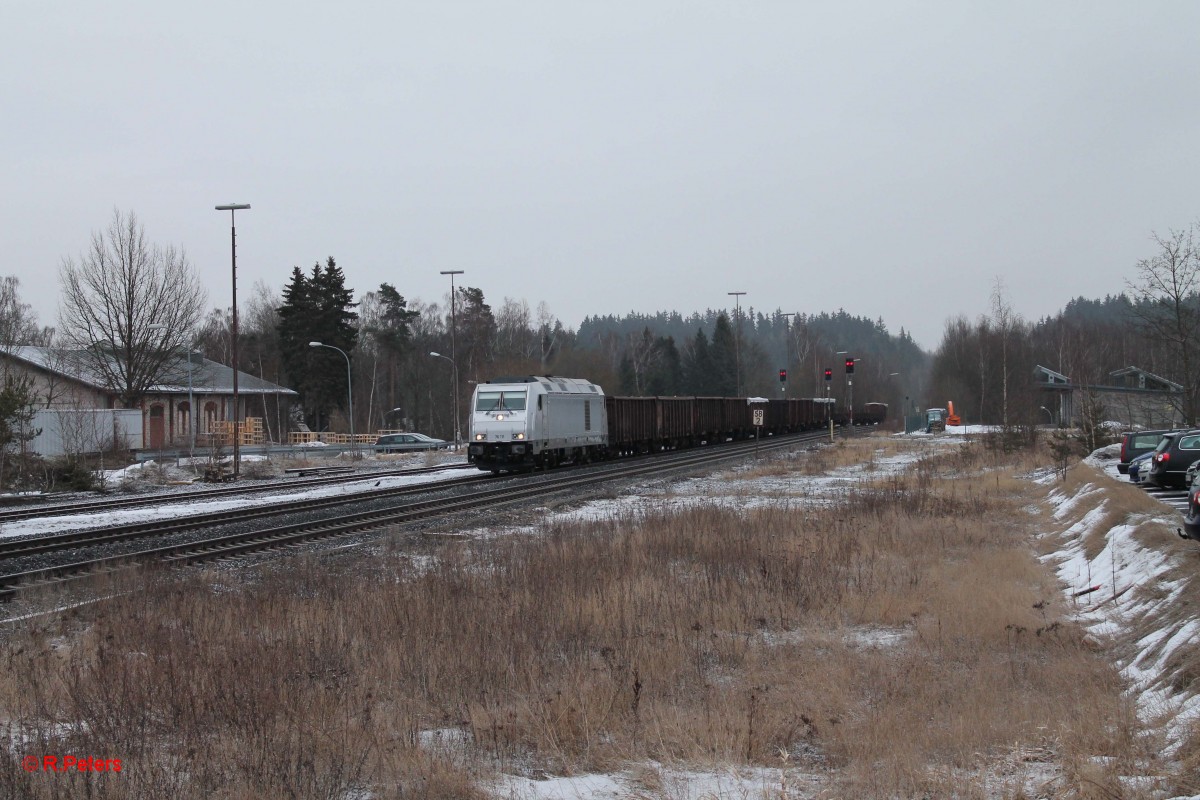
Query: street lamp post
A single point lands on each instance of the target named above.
(737, 337)
(233, 208)
(349, 391)
(454, 397)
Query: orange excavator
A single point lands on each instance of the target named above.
(951, 417)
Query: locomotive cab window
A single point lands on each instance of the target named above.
(500, 401)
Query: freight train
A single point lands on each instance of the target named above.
(538, 422)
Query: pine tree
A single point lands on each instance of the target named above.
(724, 359)
(697, 366)
(318, 308)
(666, 377)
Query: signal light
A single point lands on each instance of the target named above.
(782, 375)
(849, 366)
(828, 374)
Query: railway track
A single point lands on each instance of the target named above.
(218, 493)
(236, 544)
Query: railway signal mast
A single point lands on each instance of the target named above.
(828, 381)
(850, 387)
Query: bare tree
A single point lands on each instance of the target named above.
(115, 297)
(18, 323)
(1005, 321)
(1166, 302)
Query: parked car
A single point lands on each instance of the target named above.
(1174, 454)
(1135, 443)
(1189, 477)
(1139, 466)
(1191, 519)
(407, 442)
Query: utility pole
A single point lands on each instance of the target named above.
(453, 354)
(233, 208)
(737, 338)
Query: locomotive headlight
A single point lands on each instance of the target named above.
(479, 437)
(499, 417)
(518, 436)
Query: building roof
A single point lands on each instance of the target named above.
(204, 376)
(1047, 375)
(1146, 377)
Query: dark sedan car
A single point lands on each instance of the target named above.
(1139, 466)
(1174, 454)
(408, 442)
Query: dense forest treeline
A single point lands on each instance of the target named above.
(409, 357)
(986, 366)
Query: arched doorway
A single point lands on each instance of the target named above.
(157, 427)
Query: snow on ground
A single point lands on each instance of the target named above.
(1125, 563)
(1113, 606)
(169, 510)
(654, 780)
(745, 488)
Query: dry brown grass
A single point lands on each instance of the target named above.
(901, 641)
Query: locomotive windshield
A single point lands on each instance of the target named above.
(500, 401)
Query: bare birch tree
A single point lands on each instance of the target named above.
(1168, 306)
(115, 297)
(1005, 320)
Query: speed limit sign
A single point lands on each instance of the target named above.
(758, 417)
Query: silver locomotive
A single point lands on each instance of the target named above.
(536, 422)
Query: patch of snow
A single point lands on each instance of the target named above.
(169, 510)
(678, 784)
(1123, 566)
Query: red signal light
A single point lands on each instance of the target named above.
(782, 375)
(828, 374)
(849, 366)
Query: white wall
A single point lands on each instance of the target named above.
(85, 430)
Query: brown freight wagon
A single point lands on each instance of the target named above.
(788, 415)
(676, 423)
(736, 420)
(709, 416)
(631, 424)
(872, 414)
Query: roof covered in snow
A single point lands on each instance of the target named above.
(190, 370)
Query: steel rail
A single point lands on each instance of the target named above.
(111, 503)
(284, 536)
(97, 535)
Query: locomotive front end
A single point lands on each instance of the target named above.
(500, 429)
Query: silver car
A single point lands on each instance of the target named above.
(407, 442)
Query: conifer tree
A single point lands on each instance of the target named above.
(724, 363)
(318, 308)
(697, 368)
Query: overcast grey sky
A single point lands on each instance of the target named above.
(889, 159)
